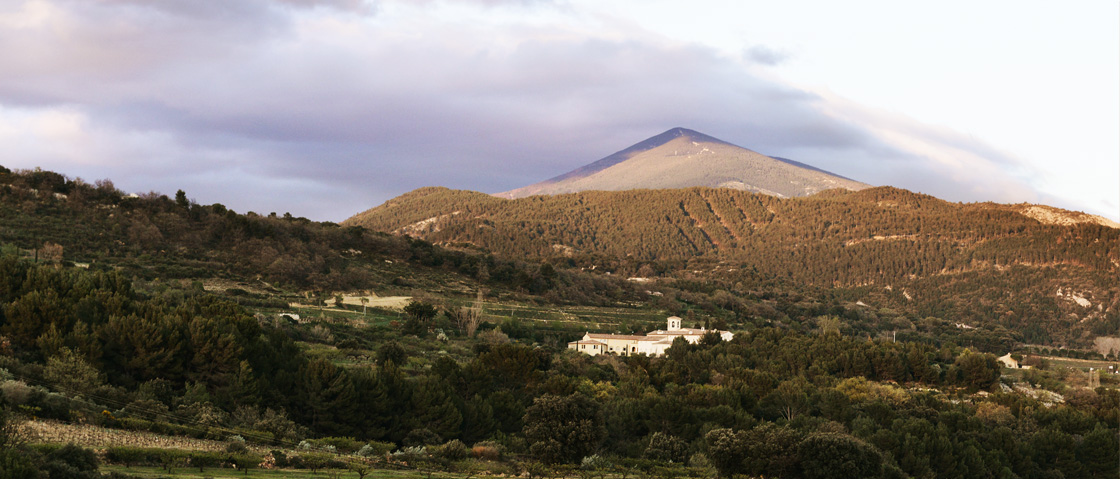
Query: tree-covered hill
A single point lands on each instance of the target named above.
(60, 219)
(977, 263)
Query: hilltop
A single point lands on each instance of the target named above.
(680, 158)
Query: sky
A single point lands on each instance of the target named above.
(325, 108)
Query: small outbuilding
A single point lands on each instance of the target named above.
(1009, 362)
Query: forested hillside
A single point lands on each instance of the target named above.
(974, 263)
(58, 219)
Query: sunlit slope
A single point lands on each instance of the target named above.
(681, 158)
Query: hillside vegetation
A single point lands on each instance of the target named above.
(105, 321)
(973, 263)
(58, 219)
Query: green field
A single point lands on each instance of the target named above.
(1084, 364)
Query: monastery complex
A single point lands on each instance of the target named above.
(652, 344)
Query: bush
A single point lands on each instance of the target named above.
(18, 464)
(410, 454)
(344, 445)
(376, 448)
(203, 460)
(421, 437)
(594, 462)
(666, 448)
(243, 462)
(71, 461)
(316, 461)
(486, 452)
(133, 456)
(44, 449)
(137, 456)
(236, 447)
(832, 455)
(279, 458)
(453, 450)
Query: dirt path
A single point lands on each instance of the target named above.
(387, 302)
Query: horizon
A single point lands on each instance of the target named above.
(325, 108)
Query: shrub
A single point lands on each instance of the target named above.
(421, 437)
(349, 343)
(666, 448)
(44, 449)
(487, 453)
(73, 462)
(203, 460)
(376, 448)
(316, 461)
(132, 456)
(341, 444)
(594, 462)
(831, 455)
(279, 458)
(410, 454)
(454, 450)
(236, 447)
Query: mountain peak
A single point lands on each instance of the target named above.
(663, 138)
(680, 158)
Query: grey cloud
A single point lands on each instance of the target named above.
(357, 6)
(485, 3)
(241, 9)
(240, 107)
(765, 55)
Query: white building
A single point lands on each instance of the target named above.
(1010, 362)
(652, 344)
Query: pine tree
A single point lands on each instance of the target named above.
(433, 408)
(329, 399)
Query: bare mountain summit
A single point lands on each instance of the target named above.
(681, 158)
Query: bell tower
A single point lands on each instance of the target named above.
(674, 323)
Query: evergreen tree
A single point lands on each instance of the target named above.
(563, 428)
(433, 408)
(329, 399)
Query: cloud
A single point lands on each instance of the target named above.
(765, 55)
(904, 152)
(326, 108)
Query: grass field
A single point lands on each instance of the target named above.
(1079, 363)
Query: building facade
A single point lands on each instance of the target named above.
(653, 344)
